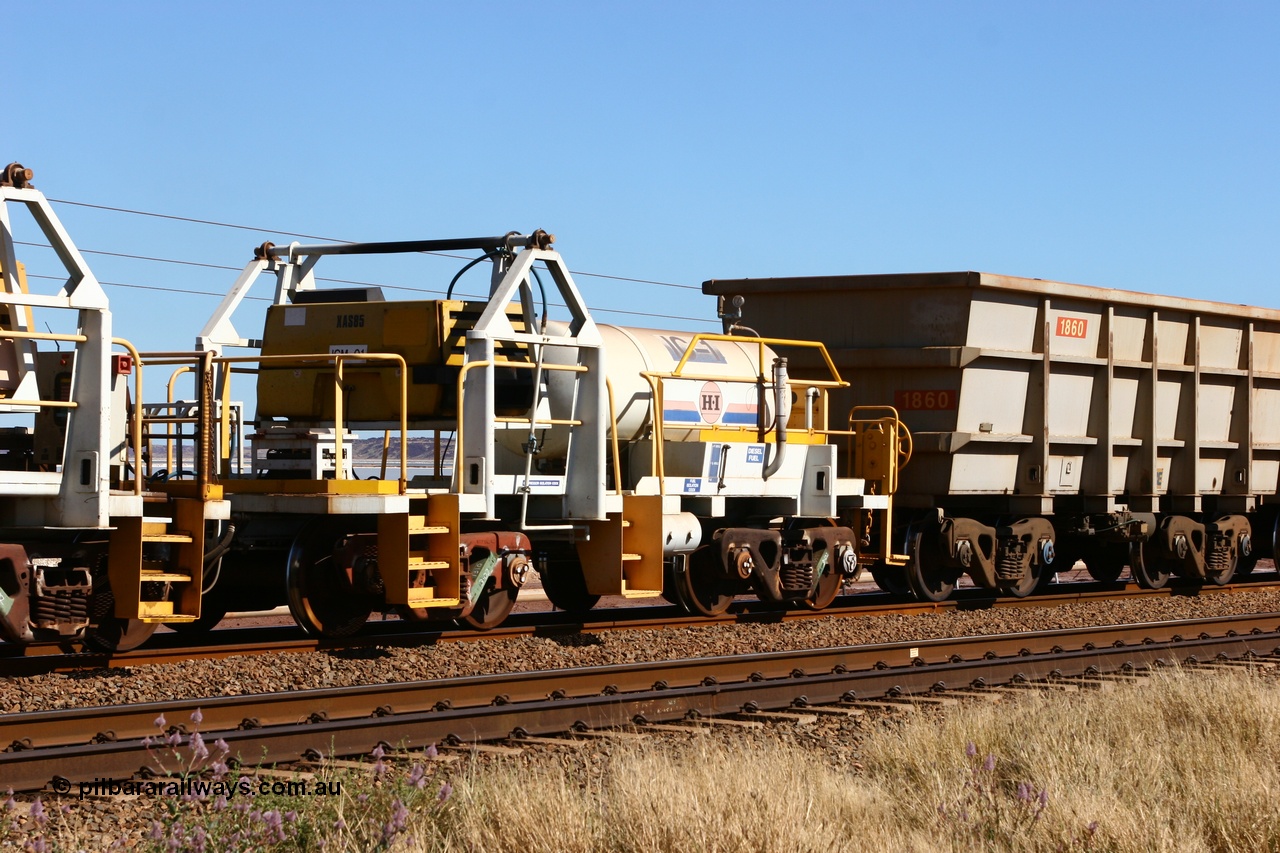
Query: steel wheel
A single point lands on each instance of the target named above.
(563, 582)
(119, 635)
(829, 586)
(700, 588)
(322, 597)
(1225, 576)
(493, 605)
(110, 633)
(928, 580)
(1036, 573)
(1246, 565)
(1146, 567)
(890, 579)
(1104, 562)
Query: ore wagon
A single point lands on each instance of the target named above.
(1052, 422)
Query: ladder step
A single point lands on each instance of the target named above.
(148, 575)
(416, 565)
(630, 557)
(177, 538)
(425, 596)
(429, 528)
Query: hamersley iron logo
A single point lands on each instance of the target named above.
(711, 403)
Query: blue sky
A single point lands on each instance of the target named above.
(1120, 144)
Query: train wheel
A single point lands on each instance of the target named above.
(211, 613)
(109, 633)
(1225, 576)
(828, 588)
(322, 598)
(1246, 565)
(1034, 580)
(1104, 562)
(1145, 566)
(566, 588)
(493, 606)
(119, 635)
(699, 587)
(928, 580)
(891, 579)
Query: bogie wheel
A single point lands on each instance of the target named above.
(492, 606)
(119, 635)
(563, 581)
(1246, 565)
(1034, 579)
(829, 585)
(110, 633)
(929, 580)
(891, 579)
(701, 587)
(1104, 562)
(1146, 567)
(322, 597)
(1225, 576)
(211, 613)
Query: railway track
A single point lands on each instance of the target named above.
(17, 660)
(64, 747)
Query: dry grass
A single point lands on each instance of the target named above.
(1181, 762)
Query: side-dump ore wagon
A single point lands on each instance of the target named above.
(1051, 422)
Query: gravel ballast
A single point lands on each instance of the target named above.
(199, 679)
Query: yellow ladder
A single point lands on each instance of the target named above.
(624, 554)
(423, 540)
(147, 585)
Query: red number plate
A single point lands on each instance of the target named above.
(906, 401)
(1072, 327)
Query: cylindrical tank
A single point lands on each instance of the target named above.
(723, 390)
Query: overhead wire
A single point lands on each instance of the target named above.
(166, 216)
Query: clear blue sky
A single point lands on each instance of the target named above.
(1122, 144)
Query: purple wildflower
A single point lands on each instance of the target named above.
(971, 750)
(37, 812)
(432, 752)
(198, 749)
(989, 764)
(339, 824)
(446, 791)
(160, 722)
(174, 739)
(418, 777)
(220, 803)
(157, 831)
(222, 746)
(196, 716)
(198, 840)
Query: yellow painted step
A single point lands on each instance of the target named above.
(427, 528)
(630, 557)
(174, 538)
(417, 564)
(150, 575)
(425, 596)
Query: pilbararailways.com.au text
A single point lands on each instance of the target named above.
(228, 788)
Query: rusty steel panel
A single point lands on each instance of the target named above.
(1036, 389)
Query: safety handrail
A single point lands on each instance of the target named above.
(459, 456)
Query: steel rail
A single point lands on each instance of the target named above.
(39, 658)
(106, 742)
